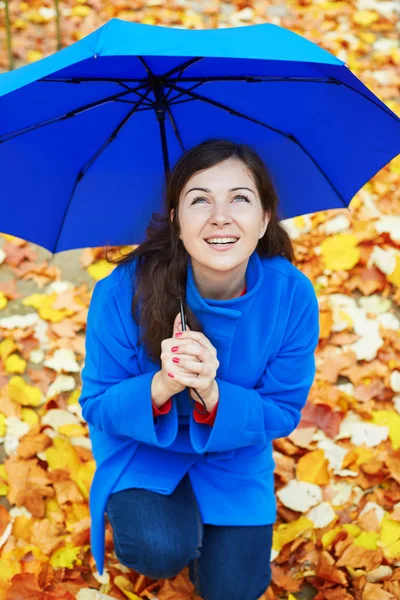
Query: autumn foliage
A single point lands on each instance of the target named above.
(337, 476)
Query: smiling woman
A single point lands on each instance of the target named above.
(248, 350)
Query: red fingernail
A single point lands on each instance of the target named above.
(171, 374)
(178, 334)
(176, 359)
(175, 349)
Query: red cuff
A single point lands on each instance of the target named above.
(166, 407)
(207, 418)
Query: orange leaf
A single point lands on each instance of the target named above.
(313, 467)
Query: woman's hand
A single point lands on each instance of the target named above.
(174, 384)
(198, 357)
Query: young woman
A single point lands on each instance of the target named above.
(181, 488)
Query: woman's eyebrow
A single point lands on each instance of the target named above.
(209, 191)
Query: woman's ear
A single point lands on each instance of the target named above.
(265, 224)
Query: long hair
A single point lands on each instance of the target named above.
(161, 268)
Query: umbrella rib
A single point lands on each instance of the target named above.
(290, 136)
(272, 79)
(68, 115)
(92, 160)
(179, 95)
(183, 67)
(175, 128)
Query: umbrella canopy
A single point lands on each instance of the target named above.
(88, 134)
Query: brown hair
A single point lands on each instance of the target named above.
(162, 258)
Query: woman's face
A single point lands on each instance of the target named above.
(221, 210)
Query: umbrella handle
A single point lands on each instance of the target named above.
(183, 321)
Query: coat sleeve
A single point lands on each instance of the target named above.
(273, 408)
(116, 396)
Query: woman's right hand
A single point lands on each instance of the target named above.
(166, 359)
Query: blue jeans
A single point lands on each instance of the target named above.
(159, 535)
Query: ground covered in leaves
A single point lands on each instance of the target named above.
(338, 475)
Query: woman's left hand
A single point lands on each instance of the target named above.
(199, 346)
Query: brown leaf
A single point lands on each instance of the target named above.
(46, 535)
(284, 466)
(32, 443)
(326, 569)
(284, 579)
(323, 417)
(360, 558)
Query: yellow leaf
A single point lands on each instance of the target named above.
(24, 394)
(7, 347)
(29, 416)
(395, 56)
(390, 419)
(286, 532)
(65, 557)
(367, 539)
(148, 20)
(71, 429)
(365, 18)
(367, 36)
(313, 467)
(330, 535)
(9, 568)
(3, 300)
(20, 24)
(300, 222)
(75, 513)
(80, 11)
(3, 472)
(22, 529)
(339, 252)
(83, 477)
(75, 395)
(54, 512)
(7, 236)
(100, 269)
(14, 364)
(3, 489)
(394, 277)
(62, 455)
(2, 425)
(363, 455)
(126, 587)
(291, 597)
(390, 537)
(33, 56)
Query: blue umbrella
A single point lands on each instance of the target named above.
(87, 134)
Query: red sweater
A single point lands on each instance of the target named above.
(207, 418)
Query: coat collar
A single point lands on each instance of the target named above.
(221, 316)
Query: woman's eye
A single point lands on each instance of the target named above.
(202, 198)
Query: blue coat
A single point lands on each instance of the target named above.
(265, 342)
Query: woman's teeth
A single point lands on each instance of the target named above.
(222, 243)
